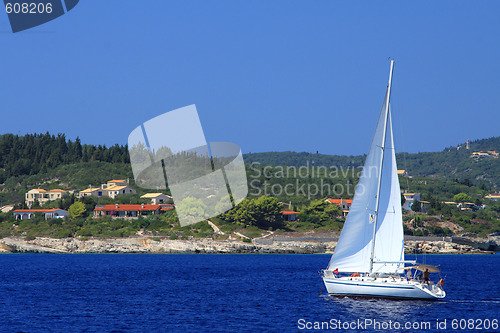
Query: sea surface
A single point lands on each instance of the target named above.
(227, 293)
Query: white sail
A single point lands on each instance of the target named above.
(371, 241)
(354, 249)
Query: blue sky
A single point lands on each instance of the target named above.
(267, 75)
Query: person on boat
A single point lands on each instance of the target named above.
(408, 275)
(426, 275)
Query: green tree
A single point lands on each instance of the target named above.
(415, 206)
(263, 212)
(191, 208)
(268, 212)
(77, 209)
(36, 204)
(322, 209)
(89, 201)
(67, 200)
(462, 197)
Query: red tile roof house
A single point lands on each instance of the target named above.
(126, 211)
(166, 207)
(23, 214)
(289, 215)
(343, 204)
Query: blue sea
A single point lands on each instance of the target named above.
(227, 293)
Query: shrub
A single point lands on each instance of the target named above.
(29, 237)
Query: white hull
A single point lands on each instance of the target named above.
(382, 287)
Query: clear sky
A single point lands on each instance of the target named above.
(268, 75)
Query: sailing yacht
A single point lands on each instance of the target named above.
(369, 258)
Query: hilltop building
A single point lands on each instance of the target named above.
(111, 189)
(36, 194)
(115, 190)
(424, 206)
(402, 173)
(414, 198)
(42, 196)
(493, 196)
(344, 204)
(157, 198)
(7, 208)
(410, 198)
(94, 191)
(487, 154)
(116, 182)
(468, 206)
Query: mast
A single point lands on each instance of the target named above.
(379, 182)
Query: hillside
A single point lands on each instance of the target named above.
(49, 162)
(54, 162)
(449, 164)
(36, 154)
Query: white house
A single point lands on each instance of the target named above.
(56, 194)
(7, 208)
(36, 194)
(94, 191)
(23, 214)
(42, 196)
(111, 189)
(493, 196)
(157, 198)
(115, 190)
(116, 182)
(468, 206)
(410, 198)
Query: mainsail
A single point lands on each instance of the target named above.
(355, 246)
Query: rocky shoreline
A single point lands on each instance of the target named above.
(283, 245)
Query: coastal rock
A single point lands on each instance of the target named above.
(148, 245)
(206, 245)
(438, 247)
(491, 243)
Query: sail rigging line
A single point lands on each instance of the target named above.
(401, 110)
(379, 181)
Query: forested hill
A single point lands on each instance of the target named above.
(451, 163)
(35, 154)
(32, 154)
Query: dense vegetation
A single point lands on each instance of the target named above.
(165, 225)
(37, 153)
(277, 181)
(448, 164)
